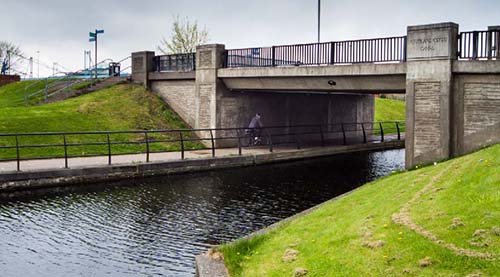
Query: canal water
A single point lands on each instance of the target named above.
(156, 226)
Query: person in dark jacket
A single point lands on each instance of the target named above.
(254, 128)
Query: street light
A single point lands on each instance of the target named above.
(93, 38)
(38, 64)
(319, 21)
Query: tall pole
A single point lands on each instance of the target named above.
(8, 57)
(31, 68)
(95, 54)
(38, 64)
(319, 21)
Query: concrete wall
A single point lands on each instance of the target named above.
(476, 112)
(284, 109)
(180, 95)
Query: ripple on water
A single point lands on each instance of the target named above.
(156, 226)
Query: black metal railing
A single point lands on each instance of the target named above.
(391, 49)
(19, 147)
(477, 45)
(176, 62)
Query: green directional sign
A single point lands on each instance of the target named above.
(92, 35)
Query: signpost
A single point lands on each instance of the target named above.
(93, 38)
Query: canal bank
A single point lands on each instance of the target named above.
(93, 170)
(438, 220)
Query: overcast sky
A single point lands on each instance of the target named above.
(59, 28)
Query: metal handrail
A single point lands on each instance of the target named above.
(478, 45)
(388, 49)
(69, 76)
(273, 134)
(175, 62)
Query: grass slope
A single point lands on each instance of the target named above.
(12, 95)
(389, 110)
(458, 201)
(121, 107)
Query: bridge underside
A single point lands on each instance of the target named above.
(357, 78)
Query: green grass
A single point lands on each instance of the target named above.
(332, 240)
(121, 107)
(389, 110)
(12, 95)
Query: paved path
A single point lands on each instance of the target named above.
(37, 165)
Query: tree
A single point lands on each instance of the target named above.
(185, 37)
(10, 51)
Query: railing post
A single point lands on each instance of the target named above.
(65, 152)
(147, 146)
(322, 135)
(364, 132)
(226, 59)
(18, 156)
(238, 133)
(213, 143)
(182, 145)
(399, 133)
(46, 88)
(273, 54)
(109, 148)
(343, 134)
(489, 44)
(475, 44)
(405, 42)
(381, 132)
(332, 52)
(270, 141)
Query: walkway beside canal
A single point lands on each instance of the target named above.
(51, 172)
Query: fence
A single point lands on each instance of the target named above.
(108, 142)
(177, 62)
(391, 49)
(479, 45)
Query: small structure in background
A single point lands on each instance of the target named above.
(7, 79)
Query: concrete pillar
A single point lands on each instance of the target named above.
(142, 65)
(209, 88)
(431, 52)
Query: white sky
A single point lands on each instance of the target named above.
(59, 28)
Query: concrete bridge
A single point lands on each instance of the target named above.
(451, 80)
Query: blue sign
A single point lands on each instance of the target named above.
(99, 31)
(91, 39)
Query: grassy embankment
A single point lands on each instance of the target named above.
(441, 220)
(389, 110)
(121, 107)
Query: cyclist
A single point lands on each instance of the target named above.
(255, 128)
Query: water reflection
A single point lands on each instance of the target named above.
(156, 226)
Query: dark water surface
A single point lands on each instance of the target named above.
(156, 226)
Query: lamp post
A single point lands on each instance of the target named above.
(38, 64)
(319, 21)
(93, 38)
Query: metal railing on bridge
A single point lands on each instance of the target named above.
(479, 45)
(175, 62)
(390, 49)
(48, 145)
